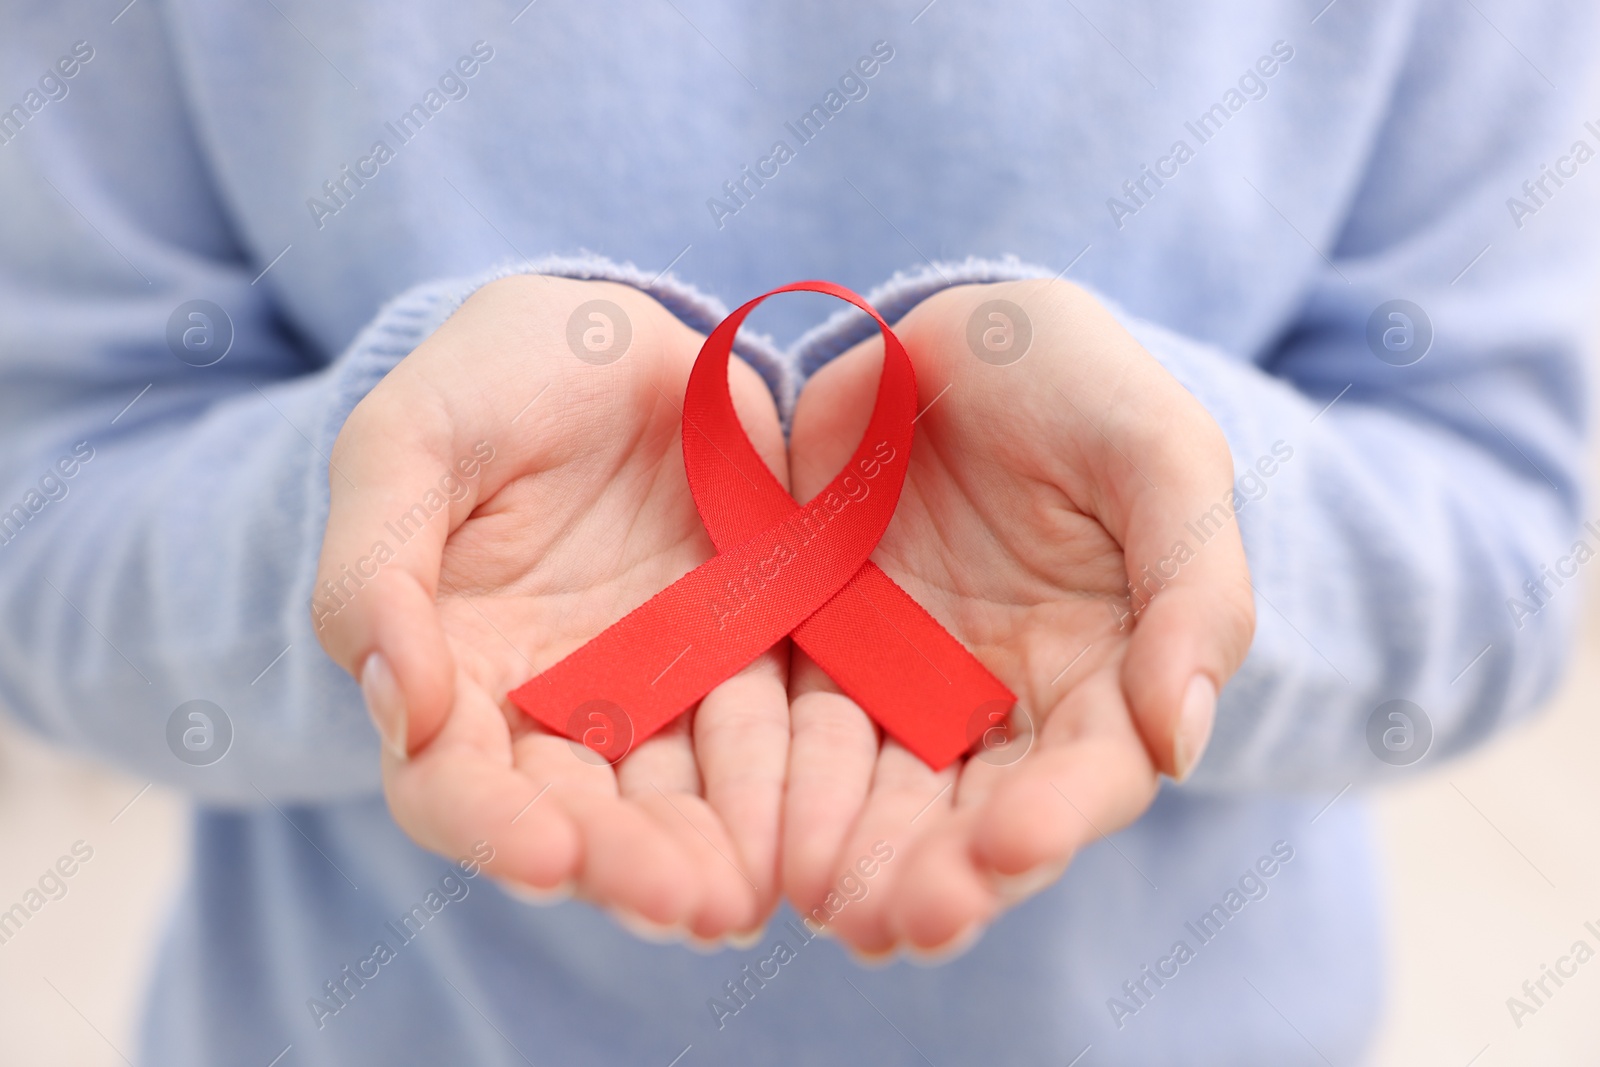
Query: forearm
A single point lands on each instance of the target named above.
(1385, 543)
(178, 566)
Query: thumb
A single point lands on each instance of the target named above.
(393, 502)
(1192, 611)
(1165, 493)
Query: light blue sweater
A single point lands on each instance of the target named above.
(1247, 182)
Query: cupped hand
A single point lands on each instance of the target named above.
(1041, 523)
(526, 485)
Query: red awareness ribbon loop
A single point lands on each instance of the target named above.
(782, 569)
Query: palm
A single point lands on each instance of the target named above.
(989, 538)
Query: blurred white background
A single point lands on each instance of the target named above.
(1472, 915)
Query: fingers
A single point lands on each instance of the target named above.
(908, 799)
(554, 819)
(966, 848)
(832, 754)
(464, 792)
(630, 865)
(632, 862)
(652, 850)
(661, 778)
(453, 801)
(1013, 837)
(741, 743)
(941, 899)
(1088, 776)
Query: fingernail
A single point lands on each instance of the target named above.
(1194, 724)
(648, 929)
(532, 894)
(950, 950)
(876, 958)
(385, 703)
(747, 939)
(1013, 888)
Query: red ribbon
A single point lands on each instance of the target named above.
(781, 569)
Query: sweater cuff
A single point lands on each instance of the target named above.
(413, 316)
(897, 296)
(1192, 363)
